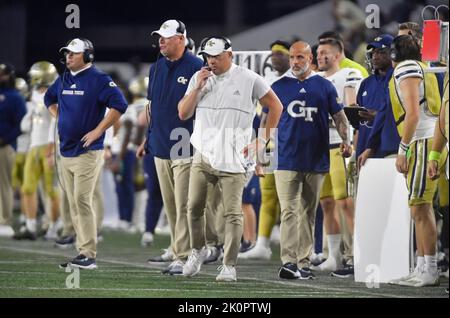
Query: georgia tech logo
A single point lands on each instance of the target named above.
(182, 80)
(299, 109)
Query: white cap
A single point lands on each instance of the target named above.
(169, 29)
(75, 46)
(215, 46)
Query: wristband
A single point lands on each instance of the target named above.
(403, 149)
(434, 156)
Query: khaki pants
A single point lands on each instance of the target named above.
(79, 175)
(173, 176)
(231, 186)
(298, 193)
(214, 227)
(97, 203)
(6, 191)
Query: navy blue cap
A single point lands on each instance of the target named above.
(381, 42)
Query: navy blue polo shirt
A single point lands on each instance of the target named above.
(168, 82)
(82, 100)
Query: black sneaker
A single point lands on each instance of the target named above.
(288, 271)
(305, 273)
(25, 235)
(83, 262)
(65, 242)
(245, 246)
(346, 272)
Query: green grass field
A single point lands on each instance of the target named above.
(30, 269)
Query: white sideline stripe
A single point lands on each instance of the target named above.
(292, 294)
(287, 283)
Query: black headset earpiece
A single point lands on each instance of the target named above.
(397, 53)
(181, 27)
(88, 54)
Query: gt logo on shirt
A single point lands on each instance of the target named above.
(301, 111)
(182, 80)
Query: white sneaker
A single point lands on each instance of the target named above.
(403, 280)
(227, 274)
(6, 231)
(147, 239)
(52, 233)
(330, 265)
(423, 278)
(195, 261)
(259, 252)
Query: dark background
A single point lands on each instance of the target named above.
(120, 31)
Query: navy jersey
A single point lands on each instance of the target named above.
(168, 82)
(12, 110)
(373, 94)
(82, 100)
(303, 130)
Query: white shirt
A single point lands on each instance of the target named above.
(23, 141)
(345, 77)
(131, 114)
(425, 126)
(224, 117)
(41, 121)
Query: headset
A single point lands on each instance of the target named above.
(88, 54)
(399, 53)
(226, 42)
(181, 27)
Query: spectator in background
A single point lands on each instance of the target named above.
(12, 110)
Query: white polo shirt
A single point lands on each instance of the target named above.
(224, 117)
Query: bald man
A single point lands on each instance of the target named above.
(303, 155)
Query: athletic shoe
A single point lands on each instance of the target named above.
(195, 261)
(65, 242)
(214, 253)
(51, 234)
(227, 274)
(305, 274)
(317, 259)
(166, 257)
(259, 252)
(83, 262)
(25, 235)
(346, 272)
(246, 246)
(175, 268)
(147, 239)
(288, 271)
(330, 265)
(422, 278)
(402, 280)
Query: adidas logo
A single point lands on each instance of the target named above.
(303, 90)
(365, 93)
(73, 86)
(236, 93)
